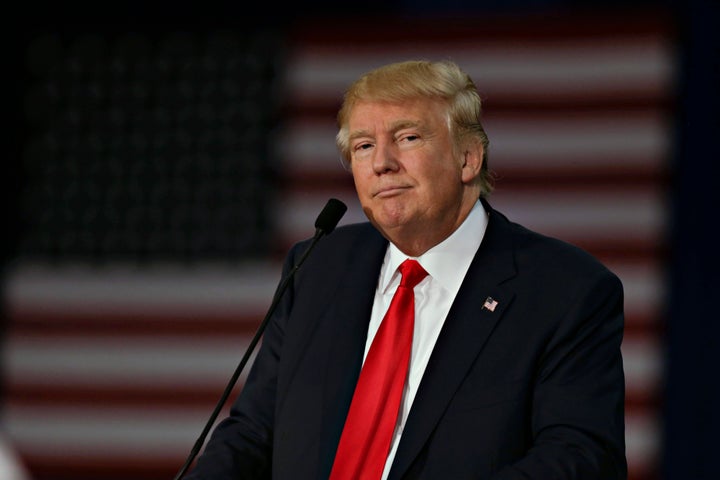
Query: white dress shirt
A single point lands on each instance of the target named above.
(446, 264)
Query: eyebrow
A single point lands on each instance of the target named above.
(400, 124)
(394, 127)
(358, 134)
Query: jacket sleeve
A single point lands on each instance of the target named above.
(578, 399)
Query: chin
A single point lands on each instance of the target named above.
(383, 219)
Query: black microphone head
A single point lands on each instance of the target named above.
(330, 215)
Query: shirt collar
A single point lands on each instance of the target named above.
(446, 259)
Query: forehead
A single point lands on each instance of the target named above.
(387, 115)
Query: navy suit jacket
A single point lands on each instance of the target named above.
(531, 390)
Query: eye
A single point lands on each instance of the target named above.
(361, 149)
(408, 138)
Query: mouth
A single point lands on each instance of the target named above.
(391, 191)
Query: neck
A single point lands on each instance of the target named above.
(415, 240)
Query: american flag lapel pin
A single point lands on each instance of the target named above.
(490, 304)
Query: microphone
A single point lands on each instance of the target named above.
(330, 216)
(325, 223)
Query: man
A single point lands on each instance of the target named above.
(515, 370)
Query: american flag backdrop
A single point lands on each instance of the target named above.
(112, 370)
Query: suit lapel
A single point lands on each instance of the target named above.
(347, 319)
(466, 329)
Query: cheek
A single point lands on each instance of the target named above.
(361, 183)
(443, 182)
(440, 173)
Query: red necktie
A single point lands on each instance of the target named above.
(365, 440)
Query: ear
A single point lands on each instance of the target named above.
(472, 162)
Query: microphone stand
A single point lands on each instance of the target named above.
(325, 223)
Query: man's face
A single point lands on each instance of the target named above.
(410, 181)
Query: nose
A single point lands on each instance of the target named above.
(385, 158)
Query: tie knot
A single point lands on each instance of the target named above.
(412, 273)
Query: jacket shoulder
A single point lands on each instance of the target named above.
(537, 250)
